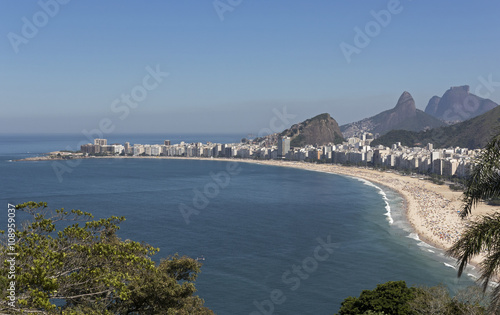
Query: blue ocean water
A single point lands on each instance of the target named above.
(275, 240)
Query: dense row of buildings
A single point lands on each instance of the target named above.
(357, 151)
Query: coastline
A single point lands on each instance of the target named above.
(432, 210)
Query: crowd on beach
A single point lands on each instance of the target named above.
(437, 214)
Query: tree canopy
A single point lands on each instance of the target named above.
(394, 297)
(389, 298)
(68, 263)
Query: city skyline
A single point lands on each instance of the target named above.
(227, 67)
(357, 151)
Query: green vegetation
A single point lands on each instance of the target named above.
(406, 137)
(484, 181)
(338, 139)
(298, 141)
(473, 133)
(84, 268)
(394, 297)
(324, 116)
(404, 116)
(483, 235)
(414, 123)
(390, 298)
(436, 179)
(456, 187)
(321, 129)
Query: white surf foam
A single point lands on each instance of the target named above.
(424, 244)
(450, 266)
(413, 236)
(384, 197)
(472, 276)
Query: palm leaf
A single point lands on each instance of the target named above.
(484, 182)
(495, 301)
(483, 235)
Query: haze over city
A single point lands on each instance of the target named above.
(230, 64)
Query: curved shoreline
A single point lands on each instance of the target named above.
(395, 182)
(431, 210)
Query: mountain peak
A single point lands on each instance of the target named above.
(403, 116)
(406, 103)
(321, 129)
(473, 133)
(324, 116)
(432, 106)
(462, 88)
(458, 104)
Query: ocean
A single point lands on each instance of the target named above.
(274, 240)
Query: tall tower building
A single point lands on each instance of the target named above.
(283, 146)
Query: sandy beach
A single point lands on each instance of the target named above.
(432, 210)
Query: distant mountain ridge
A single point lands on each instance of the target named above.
(404, 116)
(473, 133)
(406, 124)
(319, 130)
(458, 104)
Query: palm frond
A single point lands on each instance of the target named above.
(483, 235)
(484, 181)
(494, 305)
(489, 267)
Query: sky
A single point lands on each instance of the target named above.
(234, 66)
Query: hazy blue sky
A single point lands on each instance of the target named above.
(65, 69)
